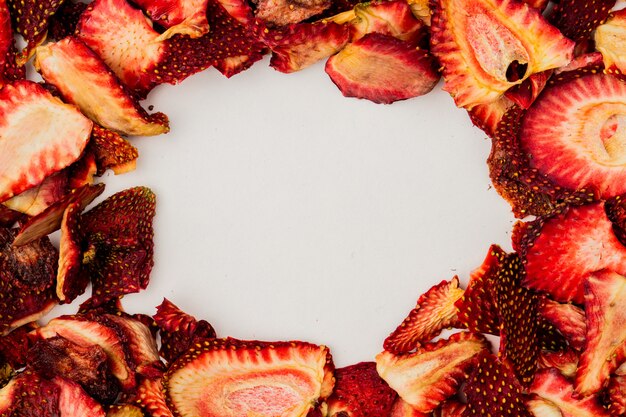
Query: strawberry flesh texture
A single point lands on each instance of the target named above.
(393, 18)
(35, 200)
(566, 361)
(187, 17)
(616, 212)
(568, 319)
(609, 40)
(577, 19)
(288, 12)
(151, 398)
(617, 395)
(74, 401)
(525, 94)
(125, 410)
(112, 151)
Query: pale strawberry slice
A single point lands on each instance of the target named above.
(151, 397)
(35, 200)
(578, 18)
(232, 378)
(560, 252)
(382, 69)
(112, 151)
(540, 407)
(566, 361)
(298, 46)
(434, 372)
(393, 18)
(401, 408)
(605, 350)
(568, 319)
(477, 69)
(435, 311)
(550, 385)
(187, 17)
(83, 79)
(487, 116)
(61, 135)
(610, 38)
(421, 9)
(287, 12)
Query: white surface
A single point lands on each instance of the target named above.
(286, 211)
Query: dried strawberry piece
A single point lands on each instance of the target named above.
(73, 401)
(9, 217)
(452, 408)
(296, 47)
(229, 377)
(287, 12)
(35, 200)
(525, 94)
(434, 372)
(476, 69)
(561, 251)
(605, 350)
(616, 212)
(20, 306)
(488, 116)
(617, 395)
(187, 17)
(63, 23)
(48, 150)
(577, 19)
(30, 395)
(112, 151)
(568, 319)
(609, 40)
(15, 345)
(124, 410)
(435, 311)
(107, 103)
(566, 361)
(401, 408)
(81, 173)
(393, 18)
(360, 392)
(151, 397)
(492, 389)
(382, 69)
(9, 70)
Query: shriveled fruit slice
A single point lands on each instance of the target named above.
(124, 410)
(15, 345)
(29, 395)
(550, 385)
(578, 18)
(83, 79)
(63, 22)
(234, 378)
(178, 16)
(568, 319)
(401, 408)
(525, 94)
(434, 372)
(73, 401)
(151, 397)
(540, 407)
(476, 68)
(605, 350)
(59, 139)
(579, 121)
(560, 252)
(493, 390)
(382, 69)
(35, 200)
(286, 12)
(610, 38)
(566, 361)
(421, 10)
(393, 18)
(452, 408)
(112, 151)
(435, 311)
(487, 116)
(81, 172)
(617, 395)
(298, 46)
(360, 392)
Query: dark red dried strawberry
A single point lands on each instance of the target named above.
(526, 93)
(9, 69)
(452, 408)
(617, 395)
(14, 346)
(81, 172)
(577, 19)
(9, 217)
(187, 17)
(63, 22)
(568, 319)
(73, 401)
(360, 392)
(36, 199)
(488, 116)
(112, 151)
(29, 395)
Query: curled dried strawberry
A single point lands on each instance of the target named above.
(15, 345)
(29, 267)
(63, 22)
(566, 361)
(187, 17)
(112, 151)
(35, 200)
(393, 18)
(568, 319)
(30, 395)
(151, 397)
(286, 12)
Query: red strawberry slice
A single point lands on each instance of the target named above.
(401, 408)
(609, 40)
(360, 392)
(578, 121)
(393, 18)
(566, 361)
(112, 151)
(7, 43)
(60, 138)
(434, 372)
(560, 252)
(63, 22)
(487, 116)
(435, 311)
(83, 79)
(35, 200)
(81, 172)
(617, 395)
(124, 410)
(29, 395)
(526, 93)
(568, 319)
(235, 378)
(187, 17)
(15, 345)
(73, 401)
(287, 12)
(151, 397)
(382, 69)
(298, 46)
(452, 408)
(476, 69)
(577, 19)
(550, 385)
(605, 350)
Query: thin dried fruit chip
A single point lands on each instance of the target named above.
(83, 79)
(605, 350)
(61, 135)
(187, 17)
(617, 395)
(382, 69)
(435, 311)
(35, 200)
(233, 378)
(70, 281)
(29, 395)
(112, 151)
(568, 319)
(15, 345)
(393, 18)
(63, 22)
(286, 12)
(360, 392)
(476, 68)
(401, 408)
(74, 401)
(609, 40)
(577, 19)
(566, 361)
(151, 397)
(561, 251)
(434, 372)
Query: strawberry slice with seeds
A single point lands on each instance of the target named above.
(566, 361)
(60, 138)
(35, 200)
(9, 70)
(112, 151)
(609, 40)
(14, 346)
(63, 22)
(568, 319)
(230, 377)
(393, 18)
(74, 401)
(605, 350)
(382, 69)
(30, 395)
(81, 172)
(488, 116)
(178, 16)
(577, 19)
(360, 392)
(452, 408)
(83, 79)
(476, 69)
(435, 311)
(434, 372)
(151, 397)
(287, 12)
(525, 94)
(561, 251)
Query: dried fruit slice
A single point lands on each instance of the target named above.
(29, 395)
(6, 36)
(540, 407)
(112, 151)
(83, 79)
(186, 17)
(609, 40)
(30, 267)
(560, 252)
(234, 378)
(435, 311)
(401, 408)
(566, 361)
(286, 12)
(617, 395)
(579, 121)
(125, 410)
(525, 94)
(73, 401)
(151, 397)
(488, 116)
(452, 408)
(382, 69)
(568, 319)
(434, 372)
(393, 18)
(360, 392)
(605, 350)
(578, 18)
(63, 22)
(59, 139)
(476, 69)
(15, 345)
(35, 200)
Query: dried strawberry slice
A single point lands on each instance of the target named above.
(401, 408)
(609, 40)
(125, 410)
(525, 94)
(617, 395)
(15, 345)
(296, 47)
(63, 22)
(605, 350)
(452, 408)
(112, 151)
(566, 361)
(434, 372)
(9, 70)
(561, 251)
(568, 319)
(577, 19)
(487, 116)
(493, 390)
(287, 12)
(83, 79)
(178, 16)
(382, 69)
(393, 18)
(9, 217)
(360, 392)
(151, 397)
(29, 395)
(229, 377)
(60, 138)
(476, 69)
(73, 401)
(435, 311)
(35, 200)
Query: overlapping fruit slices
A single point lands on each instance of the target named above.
(545, 82)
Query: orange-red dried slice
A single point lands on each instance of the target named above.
(59, 138)
(478, 42)
(112, 151)
(568, 319)
(566, 361)
(186, 17)
(401, 408)
(393, 18)
(35, 200)
(151, 397)
(126, 410)
(610, 40)
(70, 281)
(488, 116)
(74, 401)
(617, 395)
(232, 378)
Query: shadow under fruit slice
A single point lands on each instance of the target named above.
(233, 378)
